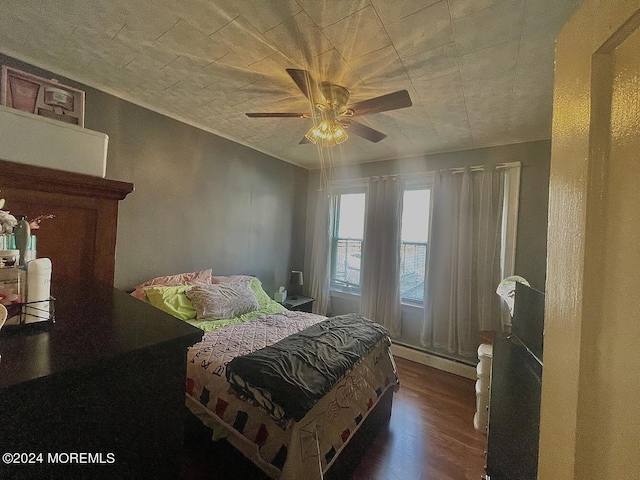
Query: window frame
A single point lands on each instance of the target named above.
(425, 180)
(421, 182)
(356, 187)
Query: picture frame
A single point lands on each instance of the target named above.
(39, 96)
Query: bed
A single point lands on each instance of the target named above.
(287, 389)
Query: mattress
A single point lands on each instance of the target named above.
(283, 448)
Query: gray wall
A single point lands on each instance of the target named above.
(200, 201)
(531, 247)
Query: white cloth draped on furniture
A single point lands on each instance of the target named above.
(464, 259)
(320, 270)
(380, 296)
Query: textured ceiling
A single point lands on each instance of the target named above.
(479, 72)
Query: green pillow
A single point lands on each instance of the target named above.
(172, 300)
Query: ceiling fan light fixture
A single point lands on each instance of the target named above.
(330, 102)
(314, 134)
(339, 134)
(328, 133)
(325, 128)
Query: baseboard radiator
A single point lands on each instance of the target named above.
(424, 358)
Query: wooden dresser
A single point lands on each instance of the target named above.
(81, 239)
(100, 393)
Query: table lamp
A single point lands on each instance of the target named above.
(296, 282)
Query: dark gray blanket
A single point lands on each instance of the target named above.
(300, 369)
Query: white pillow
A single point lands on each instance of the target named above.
(222, 300)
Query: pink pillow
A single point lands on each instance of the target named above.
(202, 277)
(231, 279)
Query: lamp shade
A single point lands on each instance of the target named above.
(296, 278)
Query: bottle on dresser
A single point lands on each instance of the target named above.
(12, 285)
(22, 235)
(38, 290)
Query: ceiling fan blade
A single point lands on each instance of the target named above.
(390, 101)
(304, 141)
(281, 115)
(363, 131)
(305, 82)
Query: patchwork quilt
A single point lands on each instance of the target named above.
(283, 447)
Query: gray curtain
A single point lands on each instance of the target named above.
(464, 260)
(380, 297)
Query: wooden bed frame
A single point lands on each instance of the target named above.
(206, 455)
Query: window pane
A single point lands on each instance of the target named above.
(347, 243)
(351, 216)
(347, 261)
(413, 252)
(415, 216)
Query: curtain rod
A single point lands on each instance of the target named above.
(350, 181)
(479, 168)
(422, 174)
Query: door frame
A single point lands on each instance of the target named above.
(576, 188)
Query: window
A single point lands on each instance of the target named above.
(347, 240)
(415, 237)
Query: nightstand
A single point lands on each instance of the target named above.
(299, 303)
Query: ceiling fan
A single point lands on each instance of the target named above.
(335, 113)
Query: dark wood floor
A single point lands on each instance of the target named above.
(430, 437)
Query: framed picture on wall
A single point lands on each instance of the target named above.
(37, 95)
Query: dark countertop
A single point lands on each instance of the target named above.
(93, 323)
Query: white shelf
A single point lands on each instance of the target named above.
(35, 140)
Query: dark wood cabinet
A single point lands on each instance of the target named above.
(514, 413)
(100, 393)
(107, 379)
(516, 388)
